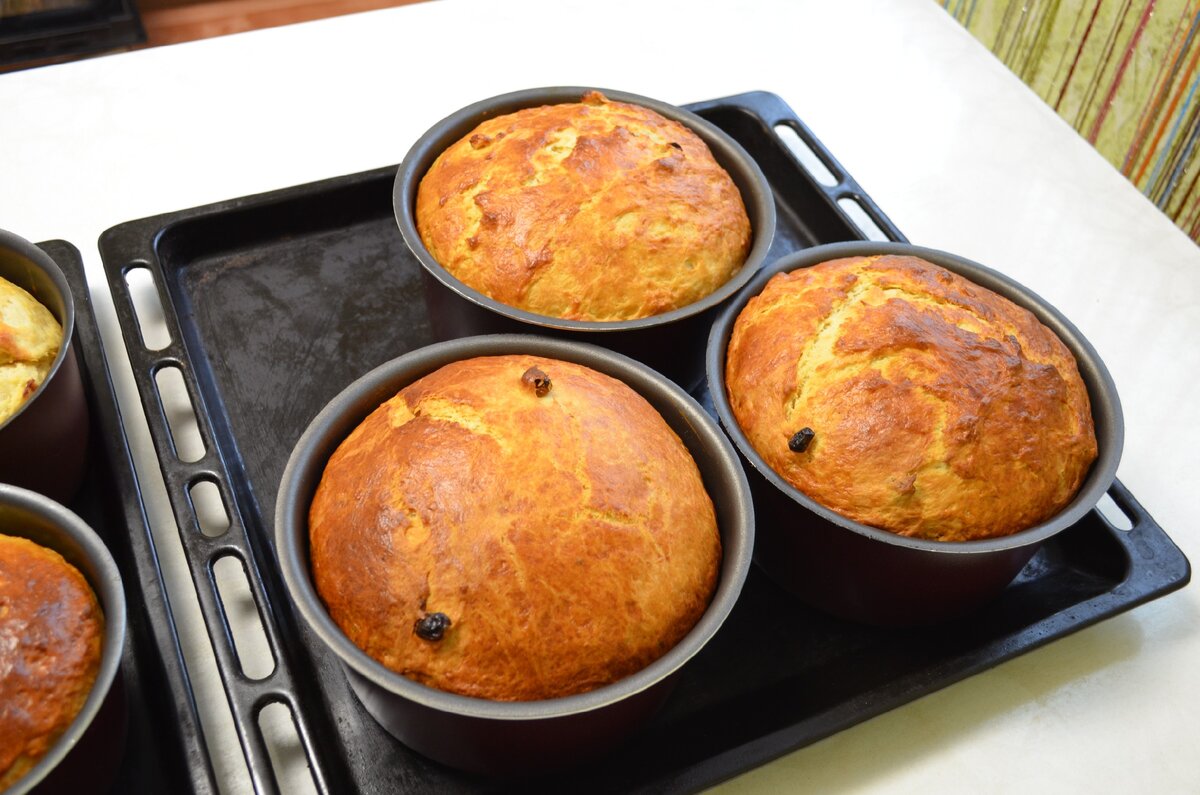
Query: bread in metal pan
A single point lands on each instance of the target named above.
(51, 630)
(592, 210)
(908, 398)
(514, 528)
(29, 341)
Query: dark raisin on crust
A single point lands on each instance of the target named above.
(801, 439)
(432, 626)
(538, 380)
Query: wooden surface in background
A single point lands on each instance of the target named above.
(174, 21)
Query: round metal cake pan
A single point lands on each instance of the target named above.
(672, 342)
(86, 757)
(43, 446)
(870, 575)
(494, 737)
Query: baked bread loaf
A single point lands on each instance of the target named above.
(29, 341)
(908, 398)
(51, 630)
(593, 210)
(514, 528)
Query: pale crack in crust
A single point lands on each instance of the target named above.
(467, 417)
(821, 345)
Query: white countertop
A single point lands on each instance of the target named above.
(960, 155)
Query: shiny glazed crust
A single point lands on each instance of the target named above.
(567, 537)
(29, 342)
(594, 210)
(939, 409)
(51, 630)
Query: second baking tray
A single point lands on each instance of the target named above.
(164, 744)
(276, 302)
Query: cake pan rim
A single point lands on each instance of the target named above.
(333, 422)
(1100, 475)
(48, 266)
(110, 593)
(760, 206)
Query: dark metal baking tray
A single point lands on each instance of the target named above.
(83, 27)
(164, 748)
(275, 302)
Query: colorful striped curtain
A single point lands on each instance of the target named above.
(1123, 73)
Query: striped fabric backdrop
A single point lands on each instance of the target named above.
(1123, 73)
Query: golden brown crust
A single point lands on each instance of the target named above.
(939, 408)
(567, 537)
(594, 210)
(51, 630)
(29, 342)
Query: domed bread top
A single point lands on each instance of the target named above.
(908, 398)
(595, 210)
(514, 528)
(29, 341)
(51, 630)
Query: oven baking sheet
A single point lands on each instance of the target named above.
(276, 302)
(164, 745)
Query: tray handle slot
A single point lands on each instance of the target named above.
(860, 216)
(208, 507)
(289, 759)
(824, 169)
(808, 158)
(248, 686)
(1138, 517)
(147, 307)
(186, 439)
(1113, 514)
(243, 618)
